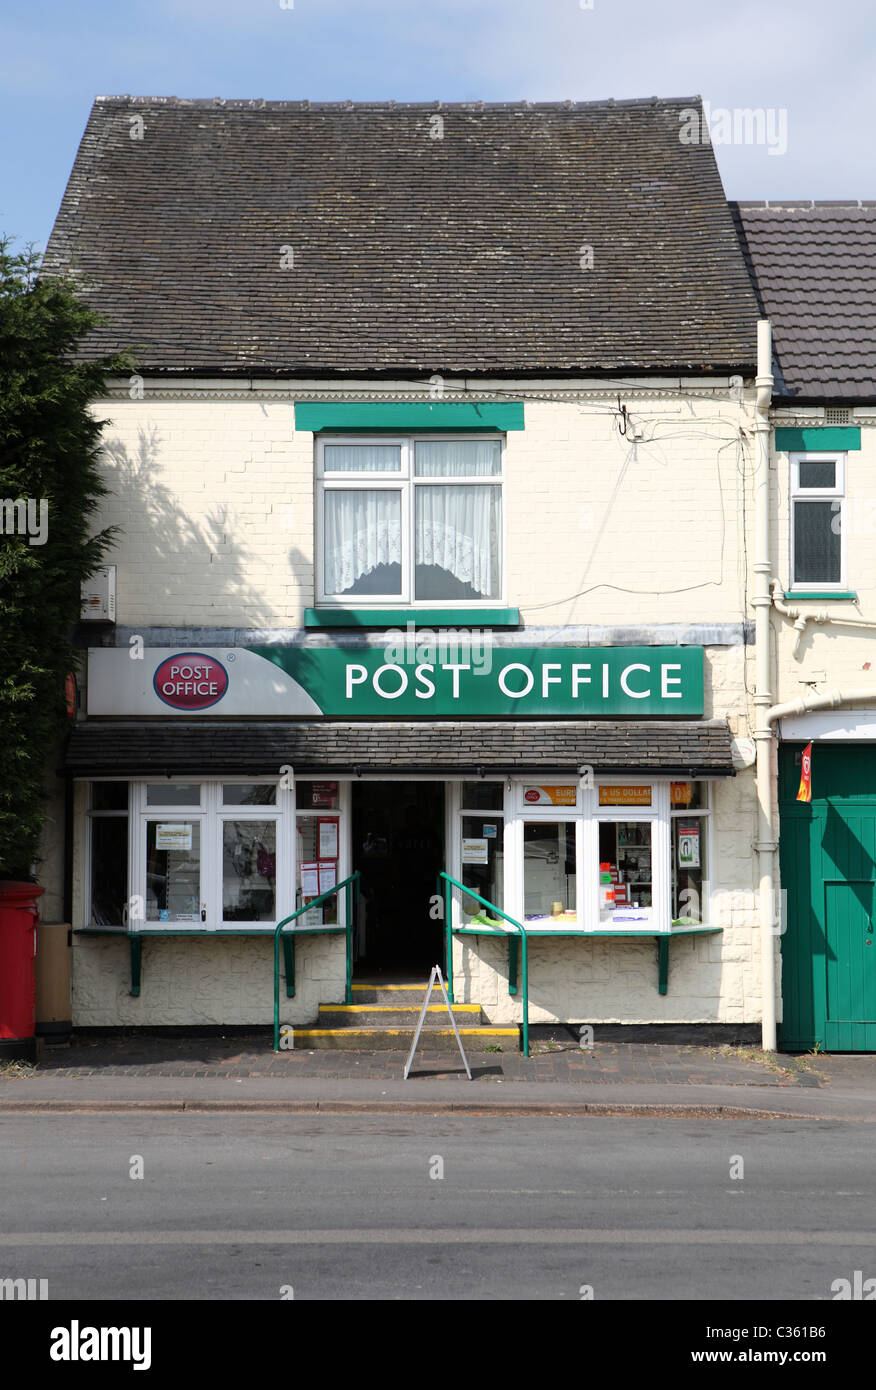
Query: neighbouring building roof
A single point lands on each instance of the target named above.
(814, 267)
(409, 254)
(154, 748)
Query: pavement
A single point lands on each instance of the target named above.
(243, 1073)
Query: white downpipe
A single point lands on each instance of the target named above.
(763, 733)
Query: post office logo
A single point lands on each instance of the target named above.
(190, 681)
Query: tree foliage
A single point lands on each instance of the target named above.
(49, 451)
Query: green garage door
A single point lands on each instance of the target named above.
(828, 867)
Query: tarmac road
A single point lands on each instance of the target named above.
(246, 1206)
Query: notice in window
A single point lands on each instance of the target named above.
(328, 877)
(688, 846)
(173, 836)
(310, 880)
(328, 839)
(475, 851)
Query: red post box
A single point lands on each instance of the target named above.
(18, 919)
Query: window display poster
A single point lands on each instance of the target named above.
(688, 846)
(173, 836)
(551, 796)
(680, 793)
(328, 839)
(475, 852)
(323, 793)
(490, 832)
(310, 880)
(625, 796)
(328, 877)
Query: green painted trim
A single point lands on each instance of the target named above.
(314, 416)
(420, 617)
(833, 596)
(817, 438)
(289, 963)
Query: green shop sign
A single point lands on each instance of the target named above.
(409, 678)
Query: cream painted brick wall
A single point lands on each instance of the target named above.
(204, 981)
(214, 500)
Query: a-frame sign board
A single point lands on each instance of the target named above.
(436, 972)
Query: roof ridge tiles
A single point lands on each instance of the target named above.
(389, 104)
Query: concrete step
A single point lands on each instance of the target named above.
(402, 995)
(400, 1039)
(390, 1016)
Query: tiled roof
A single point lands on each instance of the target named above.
(409, 254)
(151, 749)
(814, 266)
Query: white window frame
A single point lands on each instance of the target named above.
(211, 814)
(405, 482)
(817, 494)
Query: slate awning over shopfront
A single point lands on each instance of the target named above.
(125, 749)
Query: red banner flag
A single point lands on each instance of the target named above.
(805, 791)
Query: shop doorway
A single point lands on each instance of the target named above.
(398, 847)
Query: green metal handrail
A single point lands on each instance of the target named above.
(346, 884)
(448, 938)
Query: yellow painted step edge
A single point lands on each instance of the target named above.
(401, 1032)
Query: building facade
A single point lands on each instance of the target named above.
(814, 268)
(433, 488)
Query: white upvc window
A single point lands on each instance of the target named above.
(817, 530)
(210, 854)
(407, 520)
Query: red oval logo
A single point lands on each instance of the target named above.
(531, 795)
(190, 681)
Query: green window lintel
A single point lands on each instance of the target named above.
(817, 438)
(315, 416)
(420, 617)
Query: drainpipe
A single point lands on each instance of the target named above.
(763, 733)
(829, 699)
(818, 615)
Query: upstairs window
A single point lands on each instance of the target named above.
(817, 502)
(410, 520)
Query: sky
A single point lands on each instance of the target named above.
(809, 66)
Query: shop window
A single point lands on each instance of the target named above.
(173, 871)
(817, 504)
(549, 871)
(483, 796)
(109, 796)
(689, 869)
(317, 867)
(411, 520)
(313, 795)
(173, 794)
(249, 794)
(688, 796)
(483, 862)
(626, 873)
(249, 870)
(108, 878)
